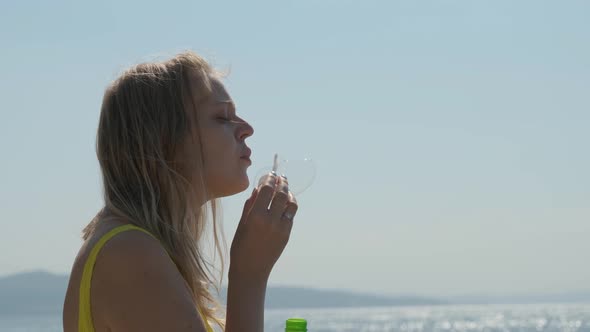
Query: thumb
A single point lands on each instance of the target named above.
(248, 206)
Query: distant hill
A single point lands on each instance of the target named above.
(32, 292)
(42, 292)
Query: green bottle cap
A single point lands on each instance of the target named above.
(296, 325)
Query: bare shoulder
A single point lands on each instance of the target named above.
(137, 287)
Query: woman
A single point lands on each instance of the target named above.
(169, 144)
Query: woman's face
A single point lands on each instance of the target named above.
(223, 135)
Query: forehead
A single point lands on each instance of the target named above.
(219, 92)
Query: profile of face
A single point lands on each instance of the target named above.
(223, 135)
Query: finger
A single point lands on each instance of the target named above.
(282, 186)
(292, 198)
(291, 195)
(248, 206)
(280, 199)
(288, 216)
(290, 210)
(265, 193)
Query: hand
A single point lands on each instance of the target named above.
(263, 232)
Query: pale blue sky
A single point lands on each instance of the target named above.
(450, 136)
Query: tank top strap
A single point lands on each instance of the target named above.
(84, 313)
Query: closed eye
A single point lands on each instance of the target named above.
(230, 120)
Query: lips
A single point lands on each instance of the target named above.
(247, 154)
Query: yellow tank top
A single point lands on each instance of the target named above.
(84, 313)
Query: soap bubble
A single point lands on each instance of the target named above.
(300, 173)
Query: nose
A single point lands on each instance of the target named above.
(246, 130)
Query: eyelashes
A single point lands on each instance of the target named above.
(222, 119)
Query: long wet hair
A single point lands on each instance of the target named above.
(147, 117)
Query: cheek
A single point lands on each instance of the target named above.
(214, 144)
(218, 155)
(219, 150)
(219, 142)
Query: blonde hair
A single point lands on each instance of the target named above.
(147, 116)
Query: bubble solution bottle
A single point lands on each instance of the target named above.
(296, 325)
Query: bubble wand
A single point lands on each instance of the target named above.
(275, 164)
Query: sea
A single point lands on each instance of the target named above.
(489, 318)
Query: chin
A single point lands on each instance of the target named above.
(234, 189)
(244, 186)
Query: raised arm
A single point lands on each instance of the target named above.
(260, 239)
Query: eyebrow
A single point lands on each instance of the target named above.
(228, 102)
